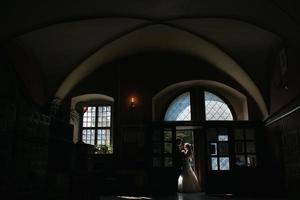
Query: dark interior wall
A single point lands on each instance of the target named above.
(281, 97)
(23, 129)
(141, 76)
(283, 131)
(6, 121)
(145, 75)
(283, 151)
(27, 69)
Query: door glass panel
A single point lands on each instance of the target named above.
(185, 135)
(240, 160)
(156, 148)
(168, 147)
(168, 162)
(214, 163)
(156, 162)
(238, 134)
(224, 163)
(223, 149)
(212, 149)
(223, 137)
(249, 134)
(239, 147)
(251, 161)
(223, 131)
(167, 135)
(156, 136)
(250, 147)
(211, 134)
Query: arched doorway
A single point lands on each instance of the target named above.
(199, 105)
(215, 122)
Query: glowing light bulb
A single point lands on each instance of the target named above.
(132, 100)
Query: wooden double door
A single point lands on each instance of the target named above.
(224, 154)
(163, 153)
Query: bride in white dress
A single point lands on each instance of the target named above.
(187, 181)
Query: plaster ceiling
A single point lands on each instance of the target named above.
(163, 38)
(61, 35)
(59, 48)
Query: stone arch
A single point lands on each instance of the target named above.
(165, 38)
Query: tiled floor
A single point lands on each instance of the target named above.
(180, 196)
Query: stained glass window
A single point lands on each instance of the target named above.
(179, 109)
(216, 108)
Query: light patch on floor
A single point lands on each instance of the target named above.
(185, 196)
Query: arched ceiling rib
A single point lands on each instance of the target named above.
(162, 37)
(238, 39)
(21, 17)
(61, 47)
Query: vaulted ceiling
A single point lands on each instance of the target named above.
(59, 36)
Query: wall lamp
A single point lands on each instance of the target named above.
(132, 102)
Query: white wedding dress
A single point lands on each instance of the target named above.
(187, 181)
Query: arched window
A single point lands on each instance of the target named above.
(179, 109)
(216, 108)
(96, 125)
(92, 119)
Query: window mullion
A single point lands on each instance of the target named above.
(81, 124)
(96, 125)
(201, 101)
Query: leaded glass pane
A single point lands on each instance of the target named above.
(214, 163)
(89, 117)
(223, 148)
(211, 134)
(168, 161)
(103, 137)
(212, 149)
(249, 134)
(179, 109)
(88, 136)
(168, 135)
(240, 160)
(156, 148)
(156, 136)
(239, 134)
(216, 108)
(224, 163)
(156, 162)
(250, 147)
(251, 161)
(239, 147)
(223, 137)
(104, 116)
(168, 147)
